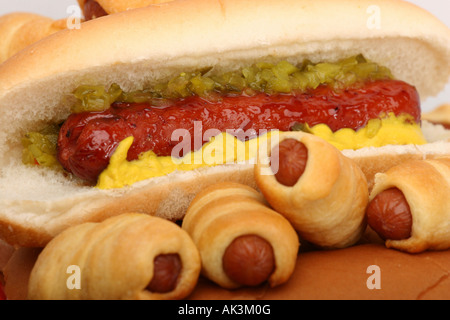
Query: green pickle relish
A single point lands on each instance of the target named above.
(283, 77)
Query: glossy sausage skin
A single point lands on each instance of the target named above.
(288, 161)
(249, 260)
(87, 140)
(93, 10)
(167, 269)
(389, 215)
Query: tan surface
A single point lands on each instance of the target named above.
(338, 274)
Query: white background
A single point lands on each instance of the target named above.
(57, 9)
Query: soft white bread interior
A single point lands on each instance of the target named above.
(142, 46)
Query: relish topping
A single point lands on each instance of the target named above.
(267, 96)
(261, 77)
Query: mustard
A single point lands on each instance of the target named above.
(221, 149)
(225, 148)
(377, 133)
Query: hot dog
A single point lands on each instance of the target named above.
(291, 155)
(171, 54)
(87, 140)
(249, 260)
(92, 9)
(166, 273)
(389, 215)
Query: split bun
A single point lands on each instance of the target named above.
(35, 87)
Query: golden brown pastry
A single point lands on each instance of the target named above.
(410, 206)
(19, 30)
(440, 115)
(321, 192)
(93, 9)
(130, 256)
(242, 242)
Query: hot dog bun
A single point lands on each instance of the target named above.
(141, 46)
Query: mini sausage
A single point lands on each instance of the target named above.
(167, 268)
(92, 10)
(389, 215)
(291, 156)
(249, 260)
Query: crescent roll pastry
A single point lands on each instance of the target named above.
(130, 256)
(19, 30)
(410, 206)
(439, 115)
(242, 242)
(321, 192)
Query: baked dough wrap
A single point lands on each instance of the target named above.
(115, 259)
(439, 115)
(21, 29)
(115, 6)
(226, 211)
(426, 187)
(327, 203)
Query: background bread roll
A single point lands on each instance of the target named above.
(19, 30)
(440, 115)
